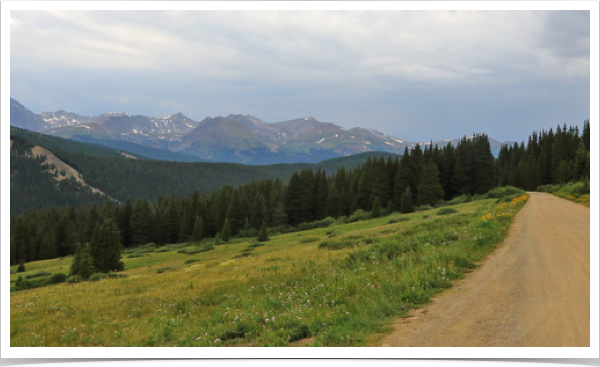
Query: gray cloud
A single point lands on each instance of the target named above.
(418, 75)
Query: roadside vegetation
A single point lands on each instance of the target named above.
(578, 192)
(288, 291)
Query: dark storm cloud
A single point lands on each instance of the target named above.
(417, 75)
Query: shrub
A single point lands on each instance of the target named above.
(58, 278)
(196, 249)
(21, 267)
(445, 211)
(74, 279)
(163, 249)
(423, 207)
(396, 220)
(40, 273)
(164, 269)
(97, 276)
(136, 255)
(359, 215)
(425, 216)
(192, 261)
(499, 192)
(243, 254)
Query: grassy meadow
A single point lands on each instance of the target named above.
(336, 286)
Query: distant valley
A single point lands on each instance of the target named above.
(235, 138)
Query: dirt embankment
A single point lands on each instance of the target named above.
(533, 291)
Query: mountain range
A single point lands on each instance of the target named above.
(234, 138)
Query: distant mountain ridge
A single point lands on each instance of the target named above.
(235, 138)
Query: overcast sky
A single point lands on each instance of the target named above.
(416, 75)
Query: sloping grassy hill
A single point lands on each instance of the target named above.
(336, 286)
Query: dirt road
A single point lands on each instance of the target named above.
(533, 291)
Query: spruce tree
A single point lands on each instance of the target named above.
(225, 231)
(75, 267)
(105, 247)
(21, 267)
(406, 205)
(86, 264)
(93, 219)
(430, 190)
(376, 208)
(198, 232)
(263, 233)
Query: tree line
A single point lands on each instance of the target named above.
(421, 176)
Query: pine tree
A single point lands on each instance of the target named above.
(141, 223)
(406, 205)
(430, 190)
(93, 219)
(124, 220)
(173, 221)
(334, 204)
(263, 233)
(376, 208)
(198, 232)
(105, 247)
(404, 176)
(21, 267)
(279, 216)
(217, 239)
(225, 232)
(86, 264)
(75, 267)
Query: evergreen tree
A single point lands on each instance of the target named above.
(93, 219)
(225, 232)
(334, 204)
(198, 232)
(21, 267)
(86, 264)
(263, 233)
(173, 221)
(75, 267)
(404, 176)
(582, 163)
(406, 205)
(105, 247)
(141, 223)
(217, 239)
(376, 208)
(430, 190)
(124, 220)
(279, 216)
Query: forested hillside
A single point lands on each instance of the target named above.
(548, 158)
(33, 185)
(379, 184)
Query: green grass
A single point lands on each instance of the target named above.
(285, 291)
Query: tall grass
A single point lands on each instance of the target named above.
(292, 291)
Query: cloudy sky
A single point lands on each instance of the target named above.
(416, 75)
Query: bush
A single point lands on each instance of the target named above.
(359, 215)
(40, 273)
(192, 261)
(396, 220)
(257, 244)
(425, 216)
(196, 249)
(164, 269)
(423, 207)
(163, 249)
(58, 278)
(136, 255)
(21, 267)
(97, 276)
(445, 211)
(500, 192)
